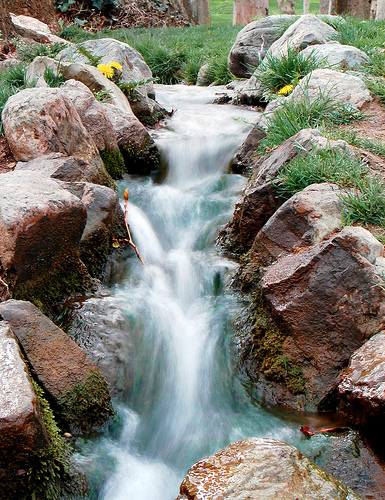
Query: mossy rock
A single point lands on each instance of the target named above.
(114, 162)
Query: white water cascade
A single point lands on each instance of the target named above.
(176, 315)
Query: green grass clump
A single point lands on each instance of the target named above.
(366, 203)
(320, 165)
(377, 87)
(277, 72)
(350, 136)
(295, 115)
(365, 35)
(29, 52)
(12, 80)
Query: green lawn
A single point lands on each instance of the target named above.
(222, 10)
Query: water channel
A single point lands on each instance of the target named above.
(172, 323)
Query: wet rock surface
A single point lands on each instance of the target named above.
(63, 369)
(326, 318)
(261, 469)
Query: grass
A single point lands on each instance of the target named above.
(318, 166)
(366, 203)
(377, 87)
(274, 73)
(351, 137)
(295, 115)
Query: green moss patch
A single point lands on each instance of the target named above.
(86, 407)
(265, 347)
(114, 162)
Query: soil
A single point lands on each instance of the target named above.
(7, 160)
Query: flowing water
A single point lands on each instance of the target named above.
(171, 323)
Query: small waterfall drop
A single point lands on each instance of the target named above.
(175, 317)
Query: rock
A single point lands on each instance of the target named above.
(202, 80)
(302, 221)
(22, 432)
(96, 121)
(251, 93)
(62, 368)
(134, 67)
(252, 43)
(105, 220)
(148, 111)
(362, 387)
(42, 121)
(41, 225)
(326, 306)
(307, 30)
(259, 201)
(339, 87)
(60, 167)
(260, 469)
(139, 150)
(30, 27)
(244, 159)
(335, 54)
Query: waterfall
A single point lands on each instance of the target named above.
(173, 332)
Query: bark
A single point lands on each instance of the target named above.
(356, 8)
(323, 6)
(244, 11)
(306, 6)
(6, 26)
(43, 10)
(380, 11)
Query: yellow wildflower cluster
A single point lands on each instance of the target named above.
(111, 70)
(287, 89)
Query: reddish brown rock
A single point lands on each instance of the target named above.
(41, 225)
(63, 369)
(22, 432)
(325, 302)
(362, 386)
(259, 201)
(261, 469)
(302, 221)
(39, 121)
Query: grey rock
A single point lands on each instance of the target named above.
(335, 54)
(307, 30)
(261, 469)
(134, 68)
(252, 43)
(22, 432)
(30, 27)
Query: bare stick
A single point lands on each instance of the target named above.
(129, 241)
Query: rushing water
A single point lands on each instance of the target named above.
(175, 316)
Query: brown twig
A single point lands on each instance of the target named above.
(129, 241)
(306, 430)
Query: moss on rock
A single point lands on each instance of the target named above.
(114, 162)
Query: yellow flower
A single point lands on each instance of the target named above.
(285, 90)
(116, 65)
(106, 70)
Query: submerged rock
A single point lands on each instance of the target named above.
(62, 368)
(261, 469)
(22, 432)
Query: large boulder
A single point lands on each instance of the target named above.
(259, 200)
(96, 121)
(252, 43)
(105, 220)
(22, 433)
(326, 305)
(302, 221)
(39, 121)
(362, 387)
(41, 225)
(62, 368)
(245, 157)
(334, 85)
(260, 469)
(338, 55)
(29, 27)
(307, 30)
(139, 150)
(134, 67)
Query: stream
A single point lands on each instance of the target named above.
(166, 331)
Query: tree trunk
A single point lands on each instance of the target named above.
(43, 10)
(356, 8)
(380, 11)
(245, 10)
(306, 6)
(324, 6)
(6, 26)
